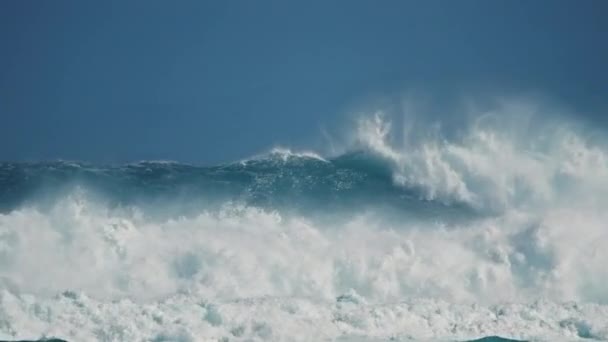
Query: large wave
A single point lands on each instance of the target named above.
(500, 228)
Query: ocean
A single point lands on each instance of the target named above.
(497, 231)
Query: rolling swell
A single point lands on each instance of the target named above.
(278, 180)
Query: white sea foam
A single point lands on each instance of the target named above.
(240, 258)
(188, 318)
(499, 162)
(284, 154)
(533, 266)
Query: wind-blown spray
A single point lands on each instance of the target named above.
(495, 231)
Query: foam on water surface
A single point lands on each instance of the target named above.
(494, 232)
(187, 318)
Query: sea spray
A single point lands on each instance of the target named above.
(492, 231)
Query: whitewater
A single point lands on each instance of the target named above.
(403, 234)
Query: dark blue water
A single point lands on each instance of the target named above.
(278, 181)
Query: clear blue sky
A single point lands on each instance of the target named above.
(213, 81)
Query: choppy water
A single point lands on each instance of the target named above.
(496, 232)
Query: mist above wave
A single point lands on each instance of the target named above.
(312, 229)
(513, 156)
(498, 161)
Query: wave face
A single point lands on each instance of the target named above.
(498, 230)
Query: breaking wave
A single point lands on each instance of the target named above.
(499, 229)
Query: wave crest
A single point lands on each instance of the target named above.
(361, 243)
(491, 168)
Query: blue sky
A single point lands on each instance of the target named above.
(208, 82)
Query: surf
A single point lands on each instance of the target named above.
(398, 235)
